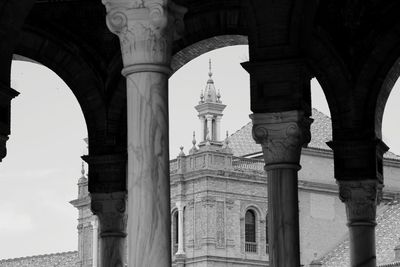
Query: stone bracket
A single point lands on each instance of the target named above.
(358, 159)
(107, 173)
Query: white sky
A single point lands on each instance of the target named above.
(40, 173)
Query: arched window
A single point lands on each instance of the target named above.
(175, 226)
(266, 235)
(250, 231)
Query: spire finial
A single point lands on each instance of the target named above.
(194, 148)
(209, 68)
(83, 169)
(194, 138)
(227, 139)
(181, 153)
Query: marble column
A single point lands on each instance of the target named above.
(110, 209)
(95, 245)
(361, 199)
(180, 205)
(146, 30)
(209, 127)
(281, 135)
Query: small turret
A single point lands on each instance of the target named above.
(210, 110)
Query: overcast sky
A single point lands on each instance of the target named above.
(40, 173)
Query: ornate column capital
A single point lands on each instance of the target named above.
(145, 28)
(110, 209)
(361, 199)
(281, 135)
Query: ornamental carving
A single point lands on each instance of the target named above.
(145, 28)
(281, 135)
(110, 209)
(361, 199)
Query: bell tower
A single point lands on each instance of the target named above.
(210, 110)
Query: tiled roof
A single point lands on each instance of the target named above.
(243, 144)
(63, 259)
(387, 237)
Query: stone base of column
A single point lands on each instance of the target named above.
(180, 260)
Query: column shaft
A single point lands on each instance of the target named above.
(95, 244)
(218, 129)
(180, 230)
(209, 127)
(281, 136)
(283, 218)
(148, 170)
(362, 246)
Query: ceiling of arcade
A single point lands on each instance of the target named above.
(354, 43)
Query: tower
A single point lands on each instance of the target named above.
(210, 110)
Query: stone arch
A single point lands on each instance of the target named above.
(332, 74)
(378, 76)
(65, 59)
(194, 50)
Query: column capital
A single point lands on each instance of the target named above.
(209, 116)
(110, 208)
(145, 28)
(361, 199)
(180, 205)
(281, 135)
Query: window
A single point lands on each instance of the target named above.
(250, 231)
(266, 235)
(175, 233)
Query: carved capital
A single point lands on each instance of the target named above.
(145, 28)
(110, 209)
(361, 199)
(281, 135)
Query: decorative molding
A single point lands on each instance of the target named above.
(281, 135)
(110, 209)
(145, 28)
(361, 199)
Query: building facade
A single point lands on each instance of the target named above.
(219, 198)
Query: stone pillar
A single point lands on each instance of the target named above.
(281, 135)
(218, 129)
(145, 29)
(95, 245)
(202, 129)
(359, 174)
(180, 205)
(361, 199)
(110, 209)
(209, 127)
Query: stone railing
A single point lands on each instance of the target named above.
(213, 160)
(244, 164)
(250, 247)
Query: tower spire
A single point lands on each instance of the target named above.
(210, 110)
(209, 68)
(83, 169)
